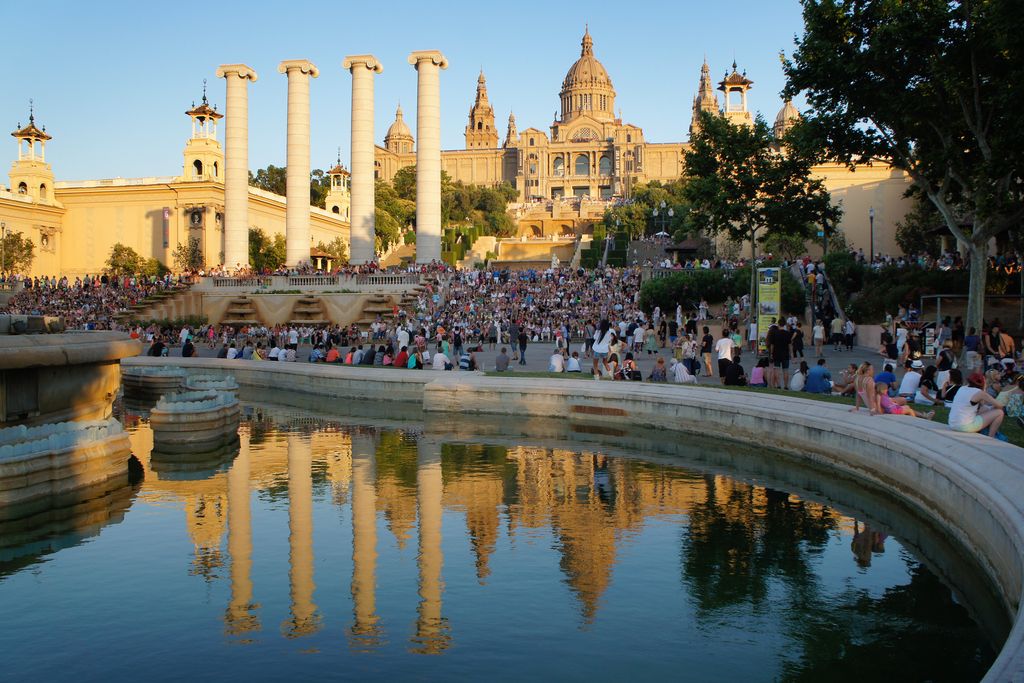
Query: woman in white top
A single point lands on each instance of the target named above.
(819, 338)
(973, 409)
(603, 337)
(799, 379)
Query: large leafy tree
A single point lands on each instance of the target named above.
(189, 255)
(124, 260)
(266, 253)
(746, 185)
(16, 254)
(274, 179)
(336, 248)
(932, 87)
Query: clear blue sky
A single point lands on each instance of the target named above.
(111, 80)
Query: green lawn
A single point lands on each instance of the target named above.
(1011, 427)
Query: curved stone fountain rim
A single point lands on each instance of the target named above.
(965, 483)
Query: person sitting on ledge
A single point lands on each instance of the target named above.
(502, 361)
(316, 355)
(402, 359)
(333, 355)
(441, 361)
(259, 353)
(223, 351)
(974, 410)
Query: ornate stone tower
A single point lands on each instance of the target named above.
(704, 101)
(786, 119)
(511, 135)
(30, 174)
(338, 200)
(480, 132)
(399, 138)
(587, 90)
(204, 157)
(735, 86)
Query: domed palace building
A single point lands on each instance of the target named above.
(589, 157)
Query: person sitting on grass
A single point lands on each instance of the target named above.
(799, 379)
(734, 373)
(819, 379)
(947, 392)
(573, 364)
(864, 388)
(974, 410)
(557, 362)
(680, 374)
(757, 375)
(927, 391)
(502, 361)
(889, 406)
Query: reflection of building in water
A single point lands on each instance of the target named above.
(481, 494)
(432, 635)
(365, 633)
(240, 616)
(304, 617)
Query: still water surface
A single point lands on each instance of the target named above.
(344, 549)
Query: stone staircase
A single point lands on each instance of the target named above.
(164, 305)
(241, 311)
(376, 305)
(309, 310)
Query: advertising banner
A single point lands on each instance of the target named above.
(769, 302)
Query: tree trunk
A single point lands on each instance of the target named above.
(976, 292)
(753, 273)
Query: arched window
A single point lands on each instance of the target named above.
(22, 188)
(479, 125)
(197, 168)
(582, 164)
(629, 138)
(42, 191)
(215, 175)
(605, 165)
(531, 142)
(559, 166)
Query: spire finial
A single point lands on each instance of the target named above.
(339, 155)
(31, 113)
(587, 42)
(204, 92)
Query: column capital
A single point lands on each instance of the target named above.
(303, 65)
(240, 70)
(368, 61)
(433, 56)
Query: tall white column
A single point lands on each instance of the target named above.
(304, 619)
(240, 616)
(362, 247)
(428, 153)
(366, 632)
(432, 636)
(236, 164)
(296, 218)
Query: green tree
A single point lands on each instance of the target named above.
(16, 254)
(266, 253)
(189, 256)
(925, 85)
(789, 247)
(124, 260)
(742, 184)
(920, 229)
(404, 183)
(274, 179)
(387, 230)
(500, 224)
(153, 267)
(336, 248)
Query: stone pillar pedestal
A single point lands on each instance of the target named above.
(428, 153)
(297, 179)
(236, 164)
(362, 247)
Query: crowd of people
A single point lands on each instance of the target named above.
(589, 322)
(89, 303)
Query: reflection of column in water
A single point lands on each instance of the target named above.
(240, 616)
(365, 633)
(304, 620)
(432, 635)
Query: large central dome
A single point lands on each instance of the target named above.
(587, 70)
(587, 88)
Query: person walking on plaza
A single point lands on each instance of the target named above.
(724, 348)
(819, 337)
(837, 333)
(849, 330)
(523, 340)
(706, 346)
(602, 344)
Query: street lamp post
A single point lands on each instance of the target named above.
(661, 220)
(871, 223)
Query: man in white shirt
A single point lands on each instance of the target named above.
(679, 373)
(232, 352)
(724, 348)
(911, 380)
(441, 361)
(573, 364)
(274, 353)
(556, 363)
(293, 338)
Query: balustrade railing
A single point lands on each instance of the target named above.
(313, 280)
(242, 281)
